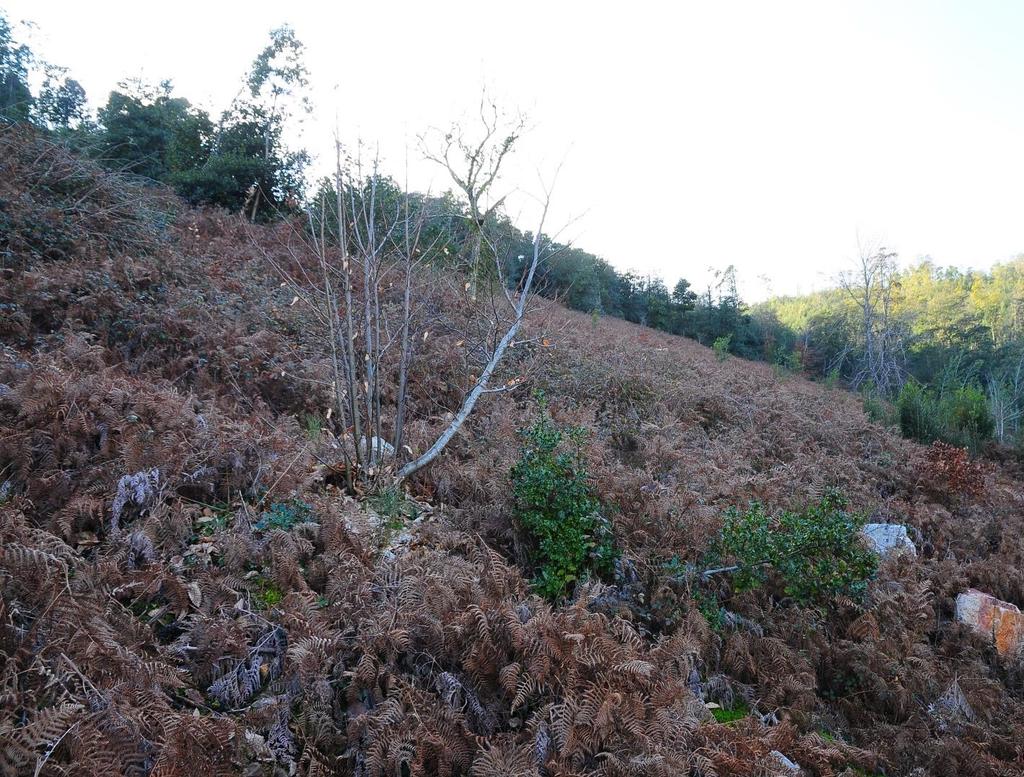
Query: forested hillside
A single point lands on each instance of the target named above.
(323, 485)
(950, 340)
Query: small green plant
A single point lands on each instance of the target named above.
(391, 502)
(267, 595)
(917, 412)
(721, 347)
(832, 379)
(394, 509)
(284, 515)
(556, 506)
(213, 520)
(312, 425)
(794, 361)
(737, 711)
(712, 610)
(966, 411)
(813, 555)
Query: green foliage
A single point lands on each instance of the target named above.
(556, 506)
(793, 360)
(959, 416)
(832, 379)
(918, 413)
(242, 164)
(813, 555)
(278, 75)
(247, 169)
(312, 425)
(875, 407)
(721, 347)
(149, 132)
(61, 102)
(957, 330)
(15, 58)
(966, 411)
(284, 515)
(267, 594)
(737, 712)
(214, 520)
(712, 610)
(391, 502)
(250, 168)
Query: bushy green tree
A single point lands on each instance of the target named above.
(61, 101)
(148, 131)
(959, 416)
(250, 167)
(15, 60)
(238, 176)
(242, 163)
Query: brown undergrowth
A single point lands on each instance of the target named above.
(184, 588)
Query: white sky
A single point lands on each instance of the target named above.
(765, 135)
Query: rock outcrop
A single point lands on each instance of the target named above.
(886, 538)
(1000, 620)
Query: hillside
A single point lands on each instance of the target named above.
(185, 587)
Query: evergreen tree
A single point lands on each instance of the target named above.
(15, 60)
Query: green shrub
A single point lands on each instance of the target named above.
(813, 555)
(918, 413)
(284, 515)
(875, 407)
(313, 426)
(214, 519)
(267, 595)
(721, 347)
(795, 361)
(391, 502)
(556, 506)
(959, 417)
(966, 411)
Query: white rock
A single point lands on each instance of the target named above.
(788, 766)
(886, 538)
(378, 448)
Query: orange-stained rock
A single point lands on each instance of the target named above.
(1000, 620)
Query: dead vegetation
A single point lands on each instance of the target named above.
(185, 588)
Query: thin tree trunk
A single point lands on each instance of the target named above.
(481, 384)
(404, 362)
(353, 373)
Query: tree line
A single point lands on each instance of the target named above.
(936, 350)
(241, 161)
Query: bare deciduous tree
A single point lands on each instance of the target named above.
(872, 285)
(1005, 392)
(374, 277)
(474, 164)
(373, 242)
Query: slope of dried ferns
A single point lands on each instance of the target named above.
(154, 381)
